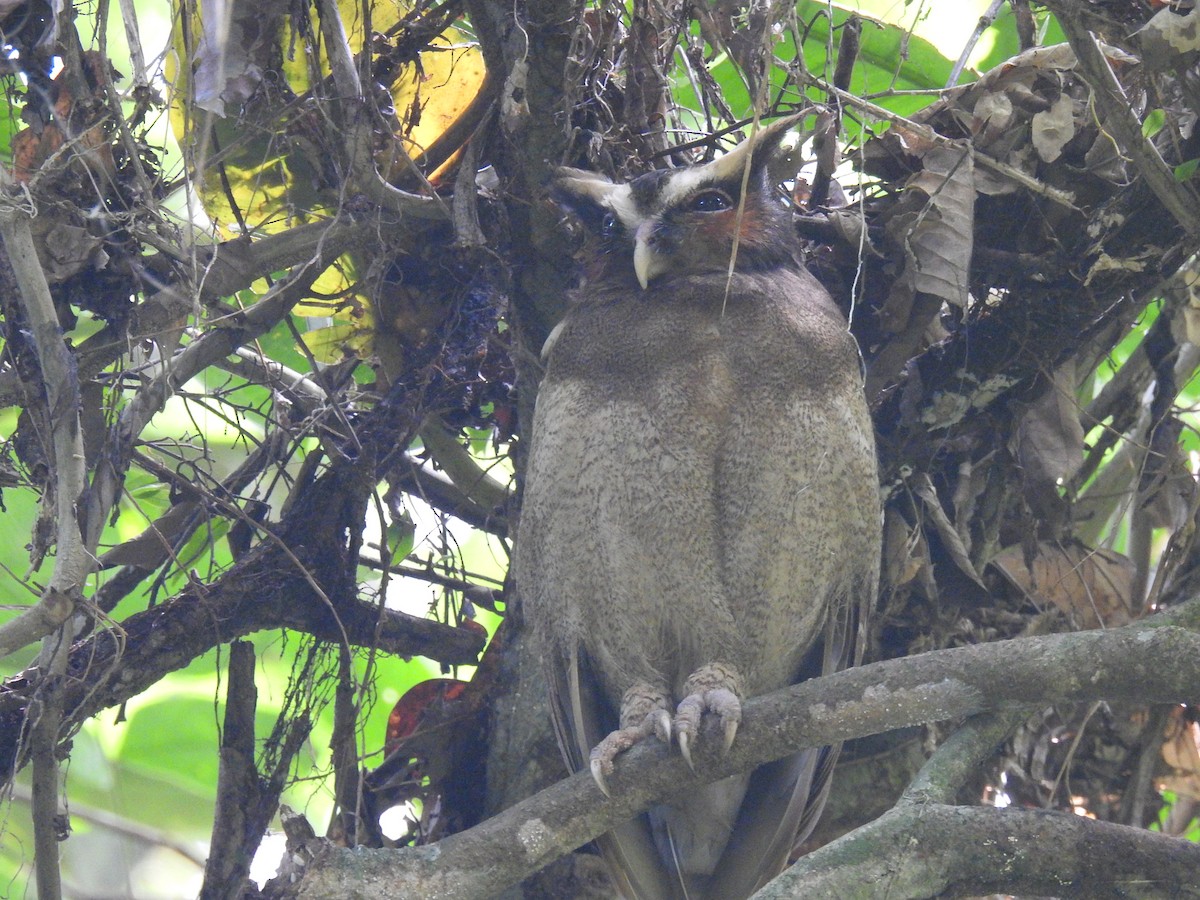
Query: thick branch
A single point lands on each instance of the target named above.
(265, 591)
(1029, 848)
(956, 761)
(464, 471)
(1123, 664)
(418, 477)
(923, 850)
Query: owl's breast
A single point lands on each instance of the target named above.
(782, 328)
(698, 460)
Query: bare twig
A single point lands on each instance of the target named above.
(139, 831)
(1003, 169)
(73, 560)
(985, 22)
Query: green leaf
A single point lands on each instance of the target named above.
(1186, 170)
(1154, 122)
(401, 536)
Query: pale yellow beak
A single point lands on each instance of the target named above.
(648, 264)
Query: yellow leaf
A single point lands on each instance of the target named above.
(332, 296)
(432, 100)
(259, 140)
(334, 343)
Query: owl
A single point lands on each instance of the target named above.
(700, 521)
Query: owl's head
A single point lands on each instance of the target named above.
(675, 222)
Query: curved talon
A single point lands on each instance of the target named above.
(688, 717)
(646, 717)
(597, 767)
(662, 726)
(731, 729)
(685, 749)
(726, 704)
(708, 692)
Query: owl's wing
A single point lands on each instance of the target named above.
(578, 710)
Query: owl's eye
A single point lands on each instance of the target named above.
(711, 200)
(610, 226)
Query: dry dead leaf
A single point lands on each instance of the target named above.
(1049, 435)
(1167, 486)
(939, 245)
(993, 114)
(1169, 38)
(1053, 128)
(1191, 312)
(951, 539)
(1181, 751)
(226, 65)
(1091, 587)
(934, 227)
(905, 552)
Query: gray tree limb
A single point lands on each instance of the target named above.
(1122, 664)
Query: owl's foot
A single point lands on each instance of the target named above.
(715, 688)
(644, 711)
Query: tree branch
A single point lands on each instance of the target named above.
(956, 760)
(1122, 664)
(68, 466)
(463, 470)
(75, 536)
(238, 787)
(226, 269)
(923, 850)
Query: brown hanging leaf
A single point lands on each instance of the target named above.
(934, 226)
(1049, 436)
(1181, 751)
(905, 551)
(951, 539)
(1092, 588)
(1053, 128)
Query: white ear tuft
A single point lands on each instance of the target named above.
(758, 148)
(581, 183)
(576, 187)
